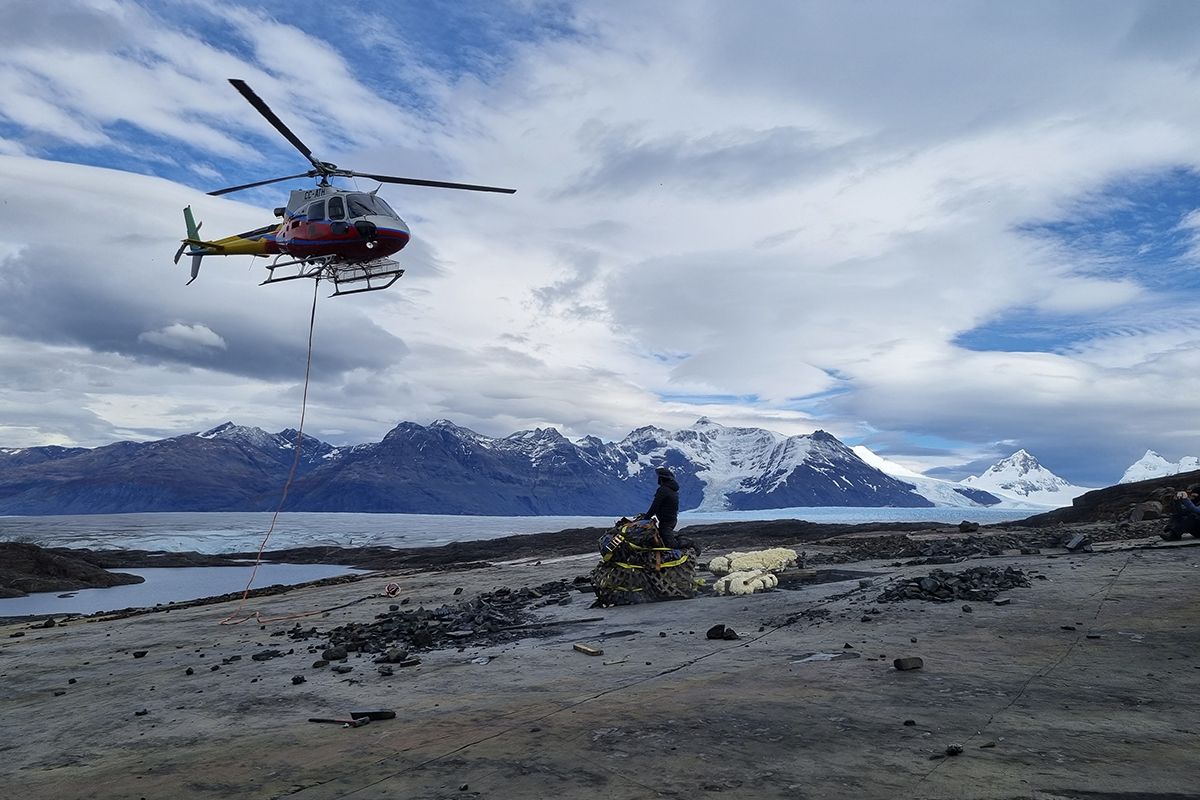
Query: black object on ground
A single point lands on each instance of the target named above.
(721, 632)
(490, 618)
(374, 713)
(976, 583)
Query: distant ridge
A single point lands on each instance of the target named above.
(443, 468)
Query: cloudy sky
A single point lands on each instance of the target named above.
(943, 230)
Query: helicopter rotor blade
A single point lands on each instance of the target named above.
(262, 108)
(437, 184)
(308, 174)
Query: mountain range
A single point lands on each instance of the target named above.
(443, 468)
(1152, 465)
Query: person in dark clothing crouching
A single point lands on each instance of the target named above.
(665, 507)
(1185, 515)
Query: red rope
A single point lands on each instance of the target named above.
(230, 620)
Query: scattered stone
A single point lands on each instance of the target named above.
(910, 722)
(386, 670)
(141, 713)
(140, 653)
(662, 635)
(1094, 636)
(1067, 627)
(60, 693)
(458, 591)
(968, 527)
(1079, 543)
(485, 620)
(865, 618)
(320, 663)
(16, 635)
(911, 662)
(214, 668)
(721, 632)
(393, 607)
(337, 653)
(49, 623)
(298, 679)
(1150, 509)
(1002, 601)
(342, 669)
(393, 656)
(986, 745)
(189, 671)
(587, 651)
(266, 655)
(913, 639)
(966, 608)
(847, 646)
(954, 750)
(976, 583)
(466, 786)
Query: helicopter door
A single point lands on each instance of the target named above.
(337, 216)
(314, 214)
(337, 208)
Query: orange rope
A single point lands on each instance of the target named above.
(230, 620)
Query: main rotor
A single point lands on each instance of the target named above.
(323, 169)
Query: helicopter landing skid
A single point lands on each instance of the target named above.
(363, 276)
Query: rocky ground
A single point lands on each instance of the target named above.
(1028, 671)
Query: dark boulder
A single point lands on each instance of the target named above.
(26, 568)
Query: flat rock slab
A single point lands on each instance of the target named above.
(679, 716)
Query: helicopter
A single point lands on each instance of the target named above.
(341, 235)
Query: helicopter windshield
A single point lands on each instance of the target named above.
(365, 205)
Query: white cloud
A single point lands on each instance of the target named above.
(807, 205)
(179, 336)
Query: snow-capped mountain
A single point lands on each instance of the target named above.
(1022, 480)
(1152, 465)
(943, 493)
(443, 468)
(751, 468)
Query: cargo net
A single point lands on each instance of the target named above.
(635, 567)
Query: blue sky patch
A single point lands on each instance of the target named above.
(1134, 229)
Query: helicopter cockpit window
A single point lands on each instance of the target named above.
(337, 208)
(383, 207)
(316, 211)
(361, 205)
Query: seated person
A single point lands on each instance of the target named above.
(1185, 515)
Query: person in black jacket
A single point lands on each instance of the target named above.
(665, 506)
(1185, 515)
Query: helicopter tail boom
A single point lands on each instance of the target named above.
(260, 242)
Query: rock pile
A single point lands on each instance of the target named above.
(958, 548)
(488, 618)
(976, 583)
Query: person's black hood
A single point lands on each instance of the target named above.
(670, 483)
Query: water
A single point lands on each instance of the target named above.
(165, 585)
(243, 532)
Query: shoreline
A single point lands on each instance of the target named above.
(826, 544)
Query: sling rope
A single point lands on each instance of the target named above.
(233, 618)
